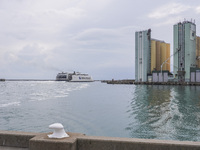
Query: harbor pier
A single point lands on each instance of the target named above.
(169, 83)
(12, 140)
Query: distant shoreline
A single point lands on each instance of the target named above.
(36, 80)
(29, 80)
(123, 81)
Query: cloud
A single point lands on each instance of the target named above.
(168, 22)
(169, 9)
(92, 48)
(38, 38)
(98, 38)
(197, 10)
(97, 44)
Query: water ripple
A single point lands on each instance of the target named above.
(35, 91)
(139, 111)
(164, 112)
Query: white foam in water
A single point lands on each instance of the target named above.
(69, 90)
(66, 95)
(10, 104)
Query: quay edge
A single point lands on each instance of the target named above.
(169, 83)
(78, 141)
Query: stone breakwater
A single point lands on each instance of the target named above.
(78, 141)
(126, 81)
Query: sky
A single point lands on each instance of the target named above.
(40, 38)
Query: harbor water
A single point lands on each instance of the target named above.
(99, 109)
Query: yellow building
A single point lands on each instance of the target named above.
(153, 55)
(167, 56)
(198, 51)
(160, 51)
(158, 56)
(163, 55)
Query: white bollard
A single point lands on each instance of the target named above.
(58, 132)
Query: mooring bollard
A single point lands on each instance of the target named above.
(58, 132)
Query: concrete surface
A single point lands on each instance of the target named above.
(12, 140)
(44, 143)
(11, 148)
(16, 139)
(112, 143)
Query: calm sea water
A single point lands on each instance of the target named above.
(99, 109)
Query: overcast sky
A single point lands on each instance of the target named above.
(39, 38)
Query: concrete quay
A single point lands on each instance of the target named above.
(169, 83)
(11, 148)
(12, 140)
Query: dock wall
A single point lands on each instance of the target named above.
(77, 141)
(169, 83)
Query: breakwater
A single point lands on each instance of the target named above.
(126, 81)
(78, 141)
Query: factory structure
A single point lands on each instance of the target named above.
(152, 56)
(142, 55)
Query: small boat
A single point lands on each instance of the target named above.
(74, 77)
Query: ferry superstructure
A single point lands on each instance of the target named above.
(79, 77)
(64, 76)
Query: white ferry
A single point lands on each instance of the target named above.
(74, 77)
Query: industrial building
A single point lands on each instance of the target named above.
(160, 51)
(142, 55)
(198, 51)
(184, 50)
(195, 72)
(150, 55)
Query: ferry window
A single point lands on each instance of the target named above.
(63, 76)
